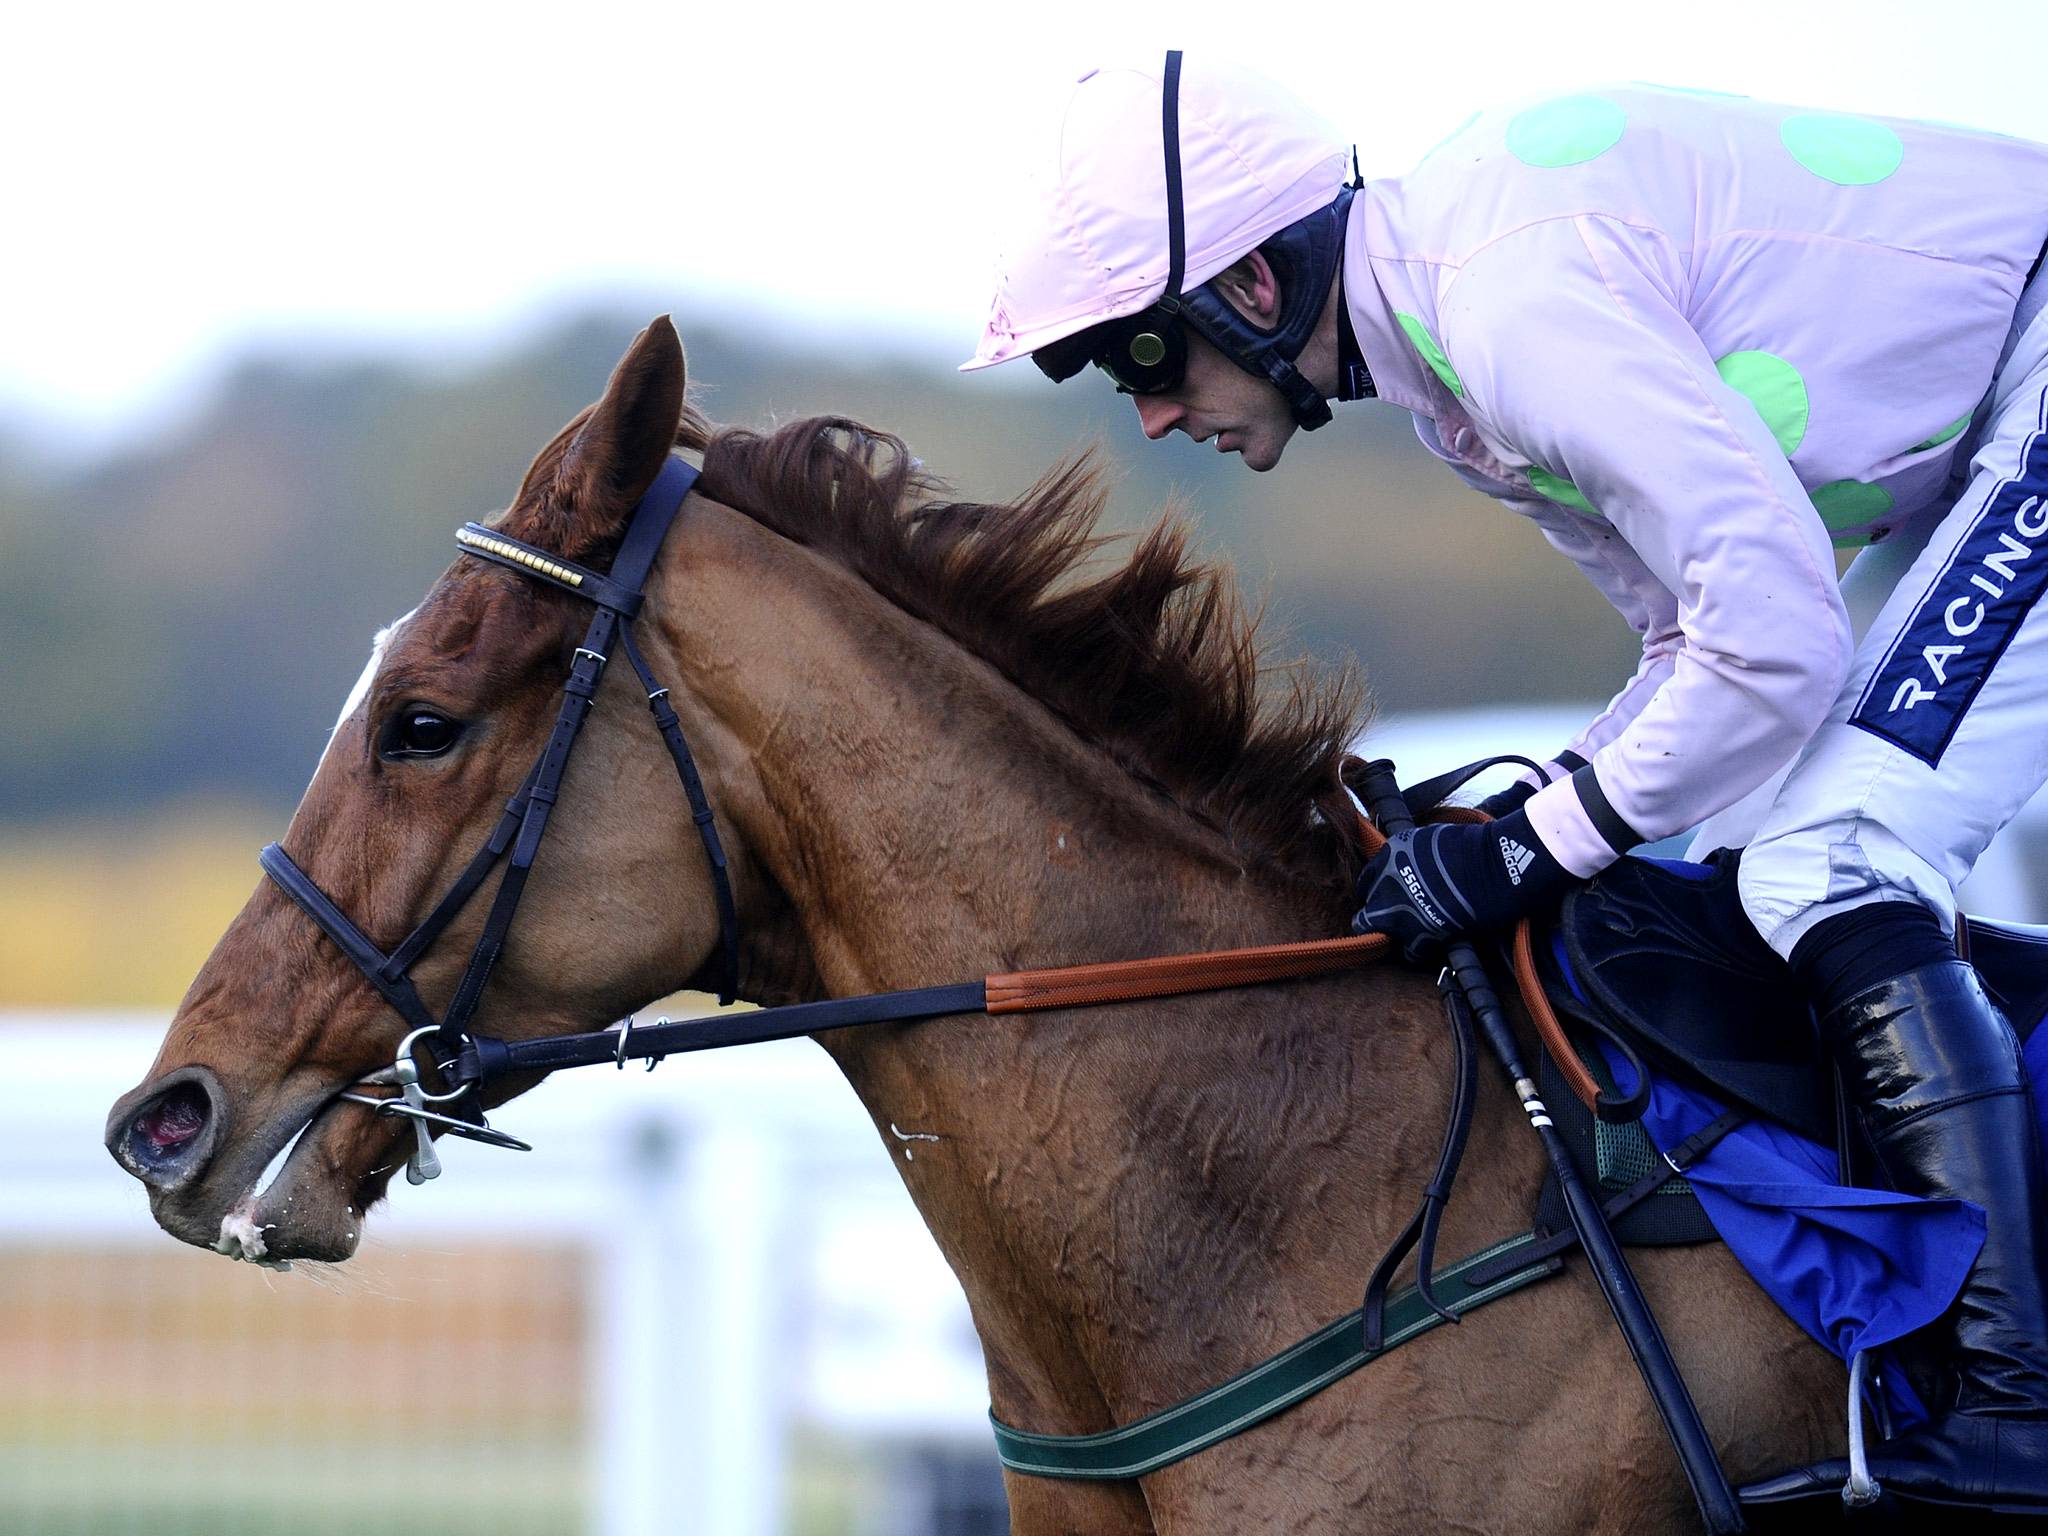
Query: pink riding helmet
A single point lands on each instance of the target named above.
(1092, 242)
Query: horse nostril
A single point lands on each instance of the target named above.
(166, 1138)
(171, 1121)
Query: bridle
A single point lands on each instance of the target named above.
(618, 597)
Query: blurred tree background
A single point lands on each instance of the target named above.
(182, 617)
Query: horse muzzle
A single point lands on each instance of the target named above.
(263, 1186)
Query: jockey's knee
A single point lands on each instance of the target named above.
(1792, 882)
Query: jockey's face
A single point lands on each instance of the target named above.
(1218, 401)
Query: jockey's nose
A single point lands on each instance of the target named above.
(1158, 415)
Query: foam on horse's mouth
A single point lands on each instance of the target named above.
(241, 1236)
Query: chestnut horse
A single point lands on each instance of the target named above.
(943, 742)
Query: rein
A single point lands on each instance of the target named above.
(1078, 986)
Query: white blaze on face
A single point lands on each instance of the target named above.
(361, 690)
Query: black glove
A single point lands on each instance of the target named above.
(1432, 884)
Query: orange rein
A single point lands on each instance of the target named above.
(1123, 981)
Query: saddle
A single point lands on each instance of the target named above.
(1657, 958)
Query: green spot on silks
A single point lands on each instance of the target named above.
(1947, 432)
(1849, 151)
(1432, 354)
(1560, 490)
(1568, 131)
(1775, 388)
(1848, 506)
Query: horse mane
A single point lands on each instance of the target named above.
(1153, 657)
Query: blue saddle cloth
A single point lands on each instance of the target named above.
(1856, 1268)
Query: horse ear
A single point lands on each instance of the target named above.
(582, 490)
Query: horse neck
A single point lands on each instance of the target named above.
(1116, 1187)
(924, 818)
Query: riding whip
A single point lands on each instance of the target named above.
(1710, 1490)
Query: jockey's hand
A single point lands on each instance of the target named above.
(1430, 885)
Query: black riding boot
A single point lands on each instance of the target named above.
(1933, 1071)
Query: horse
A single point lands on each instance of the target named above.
(946, 739)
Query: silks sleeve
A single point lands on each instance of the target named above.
(1649, 609)
(1575, 355)
(1643, 602)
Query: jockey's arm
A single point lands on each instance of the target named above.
(1573, 353)
(1649, 609)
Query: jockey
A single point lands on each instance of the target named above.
(1703, 343)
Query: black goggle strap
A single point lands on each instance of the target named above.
(700, 812)
(1162, 369)
(398, 991)
(1176, 217)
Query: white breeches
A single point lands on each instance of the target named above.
(1940, 734)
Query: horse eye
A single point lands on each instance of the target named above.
(418, 732)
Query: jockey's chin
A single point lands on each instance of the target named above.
(1259, 442)
(1261, 449)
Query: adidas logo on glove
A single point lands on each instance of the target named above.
(1517, 858)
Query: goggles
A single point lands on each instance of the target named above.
(1143, 354)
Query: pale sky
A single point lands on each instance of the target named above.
(185, 181)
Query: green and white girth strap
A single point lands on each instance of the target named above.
(1272, 1387)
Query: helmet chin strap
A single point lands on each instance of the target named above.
(1304, 257)
(1212, 318)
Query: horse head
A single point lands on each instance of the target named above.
(435, 738)
(937, 742)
